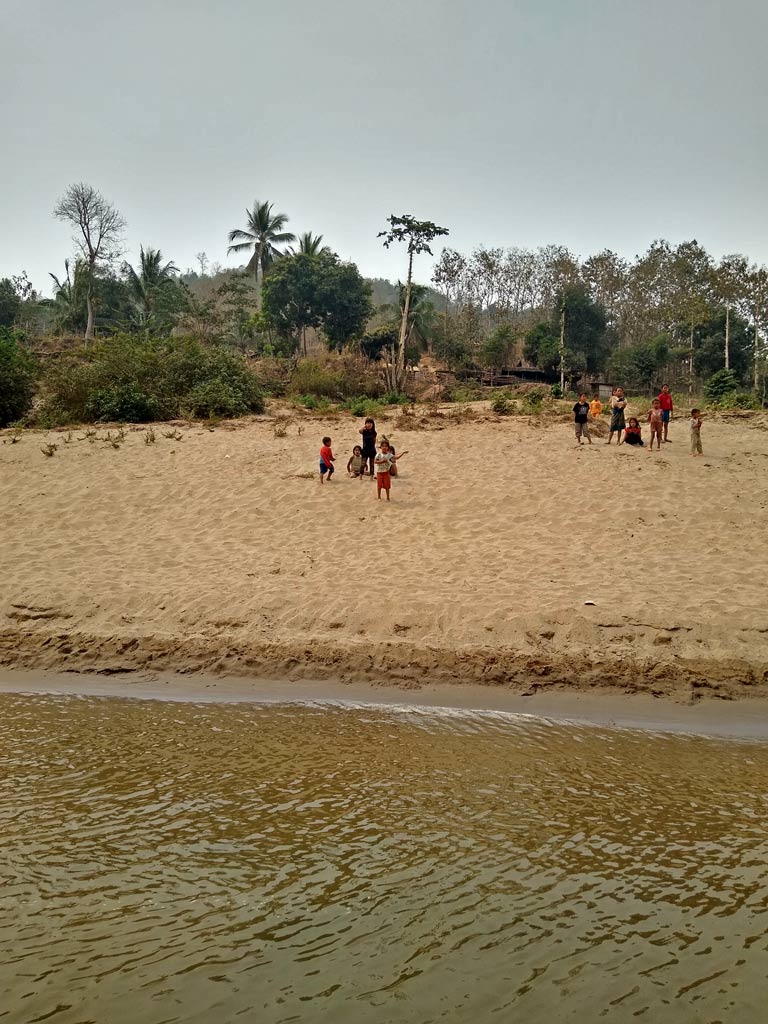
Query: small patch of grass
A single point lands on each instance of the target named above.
(49, 449)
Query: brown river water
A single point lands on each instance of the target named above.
(280, 862)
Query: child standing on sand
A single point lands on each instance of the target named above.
(595, 407)
(656, 420)
(326, 460)
(618, 423)
(368, 435)
(355, 466)
(581, 418)
(384, 461)
(696, 421)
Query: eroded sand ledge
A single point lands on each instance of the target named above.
(507, 557)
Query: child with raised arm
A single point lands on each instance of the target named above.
(656, 420)
(384, 461)
(696, 421)
(356, 466)
(326, 460)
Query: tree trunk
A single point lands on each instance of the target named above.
(727, 336)
(89, 305)
(757, 352)
(257, 268)
(690, 362)
(562, 349)
(399, 375)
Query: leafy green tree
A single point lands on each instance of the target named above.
(98, 232)
(10, 303)
(376, 342)
(237, 299)
(722, 383)
(641, 366)
(710, 346)
(417, 235)
(498, 348)
(17, 377)
(582, 324)
(542, 346)
(264, 233)
(148, 283)
(321, 292)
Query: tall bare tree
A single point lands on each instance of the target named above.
(417, 234)
(98, 230)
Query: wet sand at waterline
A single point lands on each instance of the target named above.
(507, 556)
(210, 862)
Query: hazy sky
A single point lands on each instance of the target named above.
(593, 123)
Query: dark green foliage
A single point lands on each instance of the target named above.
(720, 384)
(709, 354)
(497, 350)
(10, 303)
(377, 343)
(452, 350)
(556, 391)
(304, 291)
(134, 379)
(17, 377)
(641, 367)
(542, 347)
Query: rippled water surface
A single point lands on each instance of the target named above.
(180, 862)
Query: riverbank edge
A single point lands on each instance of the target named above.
(400, 664)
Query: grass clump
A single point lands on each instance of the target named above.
(501, 404)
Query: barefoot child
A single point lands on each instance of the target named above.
(581, 418)
(618, 423)
(368, 435)
(667, 405)
(696, 421)
(656, 420)
(355, 466)
(384, 461)
(633, 434)
(326, 460)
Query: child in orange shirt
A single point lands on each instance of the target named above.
(326, 460)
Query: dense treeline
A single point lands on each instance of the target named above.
(674, 312)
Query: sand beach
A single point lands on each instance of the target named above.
(508, 556)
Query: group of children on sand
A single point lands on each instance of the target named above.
(658, 418)
(380, 462)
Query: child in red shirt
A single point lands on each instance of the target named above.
(665, 401)
(326, 460)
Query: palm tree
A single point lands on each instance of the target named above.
(69, 297)
(309, 245)
(263, 234)
(421, 313)
(150, 279)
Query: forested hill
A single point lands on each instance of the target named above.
(384, 293)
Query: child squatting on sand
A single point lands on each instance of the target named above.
(326, 460)
(633, 434)
(656, 420)
(384, 461)
(696, 421)
(356, 466)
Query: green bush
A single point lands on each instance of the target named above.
(336, 376)
(722, 383)
(738, 400)
(136, 379)
(501, 404)
(362, 406)
(396, 398)
(313, 402)
(465, 393)
(556, 391)
(18, 372)
(126, 403)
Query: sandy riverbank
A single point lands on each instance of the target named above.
(216, 552)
